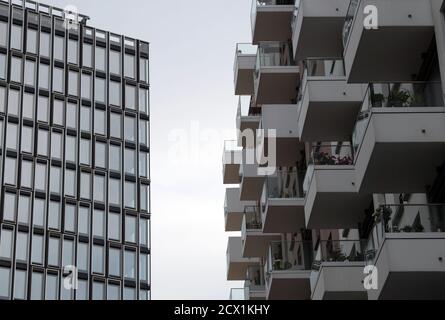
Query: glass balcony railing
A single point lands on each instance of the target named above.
(265, 3)
(349, 21)
(238, 294)
(289, 255)
(340, 251)
(396, 95)
(252, 218)
(246, 49)
(286, 183)
(332, 154)
(274, 54)
(325, 67)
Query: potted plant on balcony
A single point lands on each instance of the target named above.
(382, 215)
(398, 98)
(377, 100)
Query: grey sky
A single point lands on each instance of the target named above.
(192, 52)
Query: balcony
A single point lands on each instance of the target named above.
(332, 198)
(338, 270)
(234, 209)
(321, 20)
(288, 270)
(236, 264)
(247, 122)
(271, 20)
(399, 138)
(283, 202)
(410, 248)
(394, 51)
(279, 123)
(329, 105)
(232, 158)
(255, 242)
(238, 294)
(276, 77)
(255, 285)
(252, 179)
(244, 68)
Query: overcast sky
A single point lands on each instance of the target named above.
(192, 106)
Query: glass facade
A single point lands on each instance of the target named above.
(74, 147)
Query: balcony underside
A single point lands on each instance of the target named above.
(288, 151)
(256, 243)
(273, 23)
(245, 68)
(234, 221)
(277, 85)
(231, 174)
(284, 216)
(251, 188)
(289, 285)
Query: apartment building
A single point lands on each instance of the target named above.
(74, 145)
(351, 93)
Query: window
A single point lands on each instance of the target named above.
(39, 212)
(82, 290)
(143, 267)
(24, 209)
(3, 33)
(20, 285)
(98, 223)
(115, 62)
(143, 132)
(144, 294)
(130, 264)
(42, 109)
(114, 226)
(2, 97)
(58, 112)
(73, 55)
(130, 161)
(68, 253)
(129, 293)
(14, 102)
(130, 66)
(115, 93)
(115, 125)
(99, 121)
(52, 286)
(143, 70)
(114, 292)
(16, 37)
(3, 66)
(143, 164)
(99, 188)
(87, 55)
(98, 259)
(114, 262)
(73, 83)
(6, 243)
(82, 256)
(10, 174)
(98, 290)
(12, 136)
(100, 91)
(40, 177)
(27, 174)
(84, 221)
(115, 157)
(144, 232)
(70, 218)
(42, 146)
(58, 81)
(130, 97)
(70, 148)
(85, 156)
(143, 100)
(115, 191)
(31, 41)
(130, 194)
(85, 118)
(56, 145)
(54, 215)
(59, 48)
(44, 76)
(86, 86)
(5, 282)
(130, 129)
(70, 182)
(100, 155)
(71, 115)
(37, 286)
(30, 73)
(9, 207)
(53, 251)
(85, 185)
(37, 248)
(28, 106)
(21, 250)
(100, 59)
(45, 44)
(130, 228)
(16, 69)
(55, 178)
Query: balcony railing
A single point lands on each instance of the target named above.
(349, 21)
(332, 154)
(253, 218)
(325, 67)
(289, 255)
(243, 49)
(265, 3)
(255, 278)
(396, 95)
(340, 251)
(274, 54)
(286, 183)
